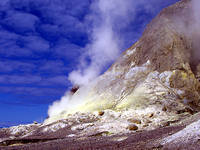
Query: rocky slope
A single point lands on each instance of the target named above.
(157, 73)
(153, 88)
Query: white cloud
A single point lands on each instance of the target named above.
(36, 43)
(14, 20)
(17, 79)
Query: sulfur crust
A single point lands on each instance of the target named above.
(135, 100)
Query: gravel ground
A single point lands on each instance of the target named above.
(133, 141)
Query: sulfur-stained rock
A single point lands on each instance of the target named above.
(132, 127)
(165, 124)
(101, 113)
(137, 121)
(186, 81)
(150, 115)
(164, 108)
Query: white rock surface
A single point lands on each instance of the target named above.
(188, 134)
(23, 129)
(54, 127)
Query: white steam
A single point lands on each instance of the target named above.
(59, 106)
(195, 30)
(187, 24)
(105, 42)
(196, 14)
(68, 101)
(107, 18)
(105, 21)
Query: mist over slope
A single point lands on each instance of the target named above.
(160, 70)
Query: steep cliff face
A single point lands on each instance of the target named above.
(158, 73)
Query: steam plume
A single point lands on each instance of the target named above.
(107, 18)
(105, 43)
(195, 30)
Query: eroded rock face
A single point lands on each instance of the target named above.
(155, 72)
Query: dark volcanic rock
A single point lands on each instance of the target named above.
(74, 89)
(132, 127)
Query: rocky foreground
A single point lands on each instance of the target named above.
(105, 130)
(148, 99)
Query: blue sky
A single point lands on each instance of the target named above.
(42, 41)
